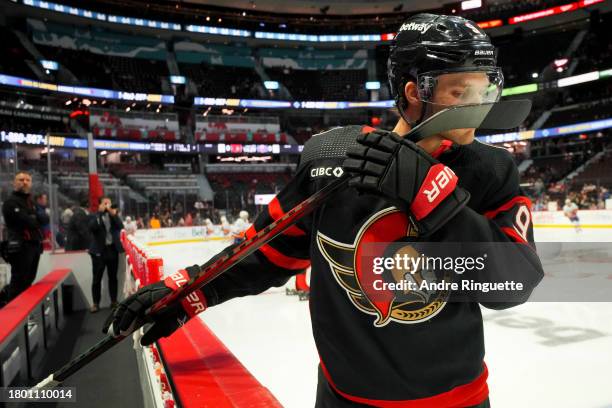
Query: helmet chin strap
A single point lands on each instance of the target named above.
(422, 116)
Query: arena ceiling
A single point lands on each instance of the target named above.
(329, 7)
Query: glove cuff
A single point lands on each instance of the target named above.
(195, 302)
(442, 213)
(438, 184)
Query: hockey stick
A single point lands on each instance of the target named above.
(469, 116)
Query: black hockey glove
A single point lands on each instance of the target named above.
(384, 163)
(134, 309)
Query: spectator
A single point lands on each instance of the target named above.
(188, 220)
(23, 246)
(61, 235)
(78, 233)
(154, 222)
(130, 226)
(66, 216)
(197, 219)
(42, 202)
(178, 211)
(105, 247)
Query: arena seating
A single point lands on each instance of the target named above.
(32, 125)
(156, 183)
(14, 56)
(580, 113)
(599, 172)
(135, 134)
(111, 72)
(238, 189)
(541, 48)
(222, 81)
(332, 85)
(241, 137)
(596, 52)
(89, 68)
(137, 74)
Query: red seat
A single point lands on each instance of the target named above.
(212, 137)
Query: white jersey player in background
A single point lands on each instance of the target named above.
(570, 210)
(226, 228)
(240, 226)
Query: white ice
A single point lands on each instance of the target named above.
(539, 354)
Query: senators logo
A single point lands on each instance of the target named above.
(353, 268)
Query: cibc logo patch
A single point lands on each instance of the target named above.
(326, 172)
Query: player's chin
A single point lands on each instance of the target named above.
(460, 136)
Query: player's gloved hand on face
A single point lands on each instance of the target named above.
(133, 310)
(384, 163)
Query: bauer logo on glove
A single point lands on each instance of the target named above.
(135, 309)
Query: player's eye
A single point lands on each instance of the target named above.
(457, 93)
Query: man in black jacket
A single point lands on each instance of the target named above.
(23, 246)
(105, 226)
(79, 237)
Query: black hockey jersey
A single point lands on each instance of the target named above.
(420, 349)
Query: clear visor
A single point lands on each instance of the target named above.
(460, 87)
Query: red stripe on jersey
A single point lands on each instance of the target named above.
(277, 258)
(276, 211)
(505, 207)
(444, 146)
(438, 184)
(465, 395)
(511, 232)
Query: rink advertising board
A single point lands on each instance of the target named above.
(37, 139)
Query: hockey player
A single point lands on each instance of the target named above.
(240, 226)
(210, 227)
(375, 350)
(226, 228)
(570, 210)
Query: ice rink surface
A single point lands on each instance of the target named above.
(539, 354)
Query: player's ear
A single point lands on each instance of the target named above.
(412, 97)
(411, 93)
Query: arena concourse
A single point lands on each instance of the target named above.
(191, 116)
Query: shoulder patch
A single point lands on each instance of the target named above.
(330, 144)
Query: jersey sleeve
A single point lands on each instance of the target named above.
(274, 263)
(505, 234)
